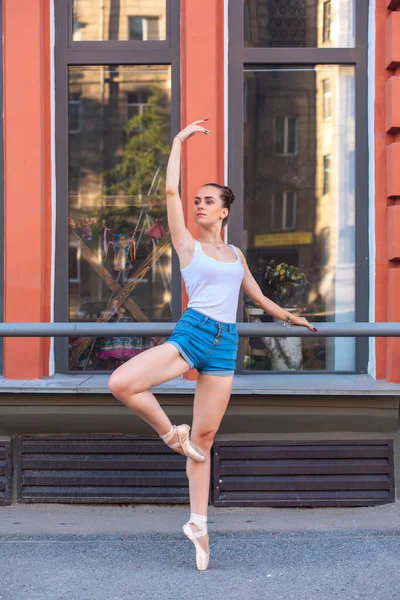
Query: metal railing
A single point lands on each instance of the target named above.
(165, 329)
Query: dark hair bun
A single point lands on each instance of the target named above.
(227, 196)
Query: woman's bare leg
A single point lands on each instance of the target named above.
(130, 382)
(210, 403)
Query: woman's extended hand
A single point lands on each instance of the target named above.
(302, 321)
(192, 129)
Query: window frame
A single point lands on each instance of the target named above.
(326, 21)
(327, 170)
(241, 57)
(282, 227)
(145, 19)
(327, 99)
(286, 151)
(94, 53)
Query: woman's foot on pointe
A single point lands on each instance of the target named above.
(178, 439)
(203, 540)
(196, 530)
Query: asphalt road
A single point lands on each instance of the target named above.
(51, 552)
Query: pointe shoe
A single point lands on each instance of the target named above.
(189, 449)
(202, 557)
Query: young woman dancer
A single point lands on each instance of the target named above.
(205, 337)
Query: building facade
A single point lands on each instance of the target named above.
(302, 102)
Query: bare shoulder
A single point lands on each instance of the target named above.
(242, 256)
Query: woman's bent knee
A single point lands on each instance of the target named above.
(115, 384)
(120, 386)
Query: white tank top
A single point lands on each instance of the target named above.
(213, 286)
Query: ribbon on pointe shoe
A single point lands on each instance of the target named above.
(189, 449)
(202, 557)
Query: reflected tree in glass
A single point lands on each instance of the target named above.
(129, 219)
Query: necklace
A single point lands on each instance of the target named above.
(217, 247)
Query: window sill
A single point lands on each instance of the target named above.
(254, 384)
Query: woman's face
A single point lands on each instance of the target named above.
(208, 208)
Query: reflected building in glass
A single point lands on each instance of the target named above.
(119, 248)
(136, 20)
(299, 23)
(299, 201)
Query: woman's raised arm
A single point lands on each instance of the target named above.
(176, 220)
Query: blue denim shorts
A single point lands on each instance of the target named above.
(207, 345)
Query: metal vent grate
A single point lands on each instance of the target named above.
(99, 468)
(5, 473)
(331, 473)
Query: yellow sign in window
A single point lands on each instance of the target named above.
(294, 238)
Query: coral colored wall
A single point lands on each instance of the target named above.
(387, 182)
(202, 96)
(27, 181)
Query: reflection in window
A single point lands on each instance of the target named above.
(137, 102)
(119, 247)
(143, 28)
(74, 113)
(299, 23)
(327, 91)
(327, 174)
(283, 211)
(74, 262)
(140, 20)
(247, 21)
(299, 209)
(285, 136)
(327, 15)
(325, 246)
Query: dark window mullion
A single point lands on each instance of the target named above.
(362, 287)
(119, 57)
(173, 26)
(235, 137)
(326, 56)
(121, 46)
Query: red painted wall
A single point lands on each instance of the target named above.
(202, 96)
(387, 183)
(27, 181)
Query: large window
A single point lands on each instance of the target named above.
(300, 173)
(115, 113)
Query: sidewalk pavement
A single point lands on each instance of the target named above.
(85, 552)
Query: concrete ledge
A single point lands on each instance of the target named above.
(268, 414)
(264, 384)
